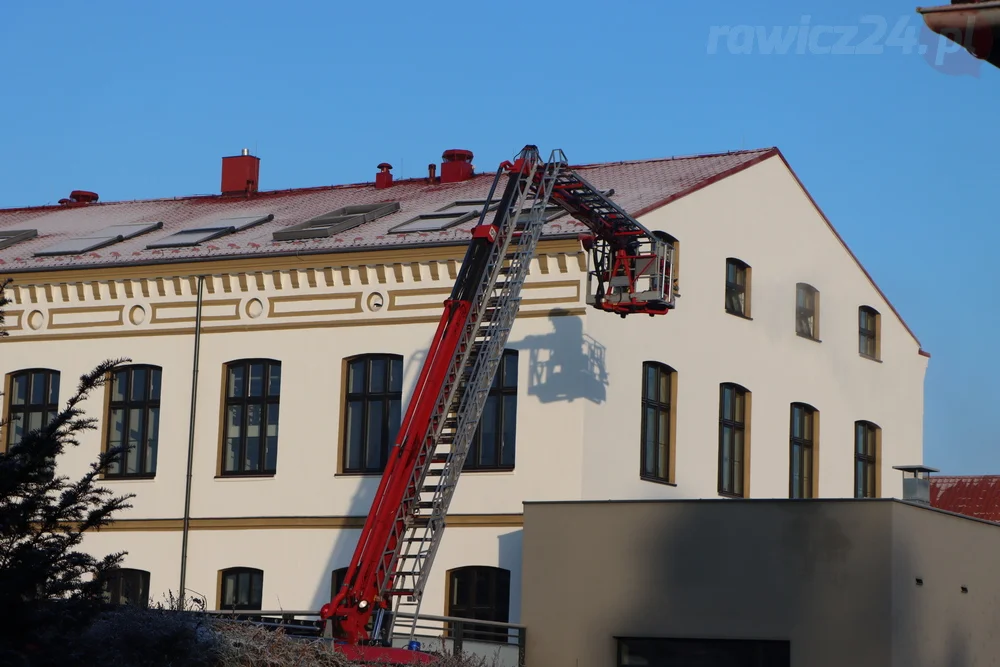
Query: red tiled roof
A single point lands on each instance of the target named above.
(972, 495)
(639, 186)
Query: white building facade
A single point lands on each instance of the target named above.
(783, 372)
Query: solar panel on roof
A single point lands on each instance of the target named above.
(335, 222)
(446, 217)
(9, 237)
(190, 237)
(99, 239)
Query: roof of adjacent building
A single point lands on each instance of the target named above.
(972, 495)
(639, 186)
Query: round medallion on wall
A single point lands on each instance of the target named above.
(36, 319)
(375, 301)
(255, 308)
(137, 315)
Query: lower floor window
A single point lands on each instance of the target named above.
(483, 594)
(127, 586)
(242, 588)
(703, 653)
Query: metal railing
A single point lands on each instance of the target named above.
(504, 642)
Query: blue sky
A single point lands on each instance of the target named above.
(137, 100)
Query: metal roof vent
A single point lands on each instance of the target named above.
(79, 198)
(916, 483)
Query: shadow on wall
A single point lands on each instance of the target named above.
(509, 545)
(346, 540)
(566, 364)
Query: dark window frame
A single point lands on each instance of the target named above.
(503, 396)
(116, 581)
(244, 402)
(805, 442)
(49, 405)
(868, 337)
(703, 651)
(390, 398)
(737, 285)
(737, 472)
(866, 459)
(495, 607)
(661, 469)
(235, 573)
(803, 313)
(146, 404)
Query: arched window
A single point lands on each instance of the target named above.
(657, 422)
(868, 332)
(493, 443)
(133, 419)
(253, 394)
(734, 417)
(372, 410)
(242, 588)
(804, 431)
(867, 441)
(807, 311)
(737, 287)
(33, 402)
(126, 586)
(480, 593)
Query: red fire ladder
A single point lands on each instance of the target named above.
(404, 528)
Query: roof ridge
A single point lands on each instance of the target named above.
(365, 184)
(674, 158)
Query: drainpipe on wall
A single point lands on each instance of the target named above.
(190, 456)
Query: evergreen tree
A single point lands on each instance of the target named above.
(46, 580)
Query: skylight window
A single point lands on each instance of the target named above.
(99, 239)
(336, 221)
(186, 238)
(9, 237)
(445, 218)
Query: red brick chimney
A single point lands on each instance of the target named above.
(457, 165)
(240, 174)
(383, 178)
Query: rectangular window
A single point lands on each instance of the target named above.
(656, 422)
(372, 411)
(253, 393)
(493, 444)
(242, 589)
(737, 288)
(667, 652)
(866, 437)
(133, 420)
(34, 402)
(868, 332)
(126, 586)
(806, 311)
(732, 439)
(801, 482)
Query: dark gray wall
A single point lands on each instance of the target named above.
(818, 573)
(936, 623)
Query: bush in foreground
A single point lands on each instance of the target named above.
(132, 637)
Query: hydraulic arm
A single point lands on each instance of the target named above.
(631, 273)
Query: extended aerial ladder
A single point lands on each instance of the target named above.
(630, 272)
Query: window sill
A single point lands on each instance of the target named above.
(357, 474)
(875, 359)
(740, 315)
(657, 480)
(482, 471)
(255, 475)
(128, 478)
(737, 496)
(815, 340)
